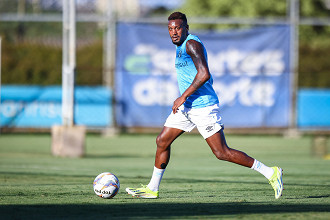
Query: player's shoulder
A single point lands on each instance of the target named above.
(193, 44)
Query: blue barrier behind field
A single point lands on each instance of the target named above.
(41, 107)
(313, 108)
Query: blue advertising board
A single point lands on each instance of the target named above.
(313, 108)
(250, 69)
(41, 107)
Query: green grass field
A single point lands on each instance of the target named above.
(36, 185)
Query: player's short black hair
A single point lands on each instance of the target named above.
(178, 15)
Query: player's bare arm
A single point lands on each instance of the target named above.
(196, 51)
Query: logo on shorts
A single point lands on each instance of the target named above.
(209, 128)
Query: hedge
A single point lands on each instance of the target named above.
(27, 63)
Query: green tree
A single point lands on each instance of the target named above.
(233, 8)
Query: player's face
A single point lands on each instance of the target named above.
(178, 31)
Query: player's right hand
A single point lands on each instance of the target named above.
(177, 103)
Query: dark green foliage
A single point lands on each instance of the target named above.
(89, 65)
(32, 53)
(314, 67)
(30, 63)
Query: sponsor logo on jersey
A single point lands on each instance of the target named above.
(180, 65)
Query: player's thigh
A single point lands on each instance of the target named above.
(217, 141)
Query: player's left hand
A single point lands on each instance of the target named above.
(177, 103)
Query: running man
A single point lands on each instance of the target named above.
(198, 106)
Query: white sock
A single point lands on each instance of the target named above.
(263, 169)
(155, 179)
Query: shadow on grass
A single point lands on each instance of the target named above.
(145, 179)
(107, 156)
(152, 210)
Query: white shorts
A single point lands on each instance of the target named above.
(207, 120)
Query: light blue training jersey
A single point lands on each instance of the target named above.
(186, 72)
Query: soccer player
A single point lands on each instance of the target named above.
(198, 106)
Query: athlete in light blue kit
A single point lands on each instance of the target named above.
(198, 106)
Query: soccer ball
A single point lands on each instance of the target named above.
(106, 185)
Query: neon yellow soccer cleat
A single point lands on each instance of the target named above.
(143, 192)
(276, 181)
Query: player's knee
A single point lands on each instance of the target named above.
(161, 143)
(219, 155)
(158, 140)
(223, 154)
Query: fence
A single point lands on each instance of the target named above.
(33, 28)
